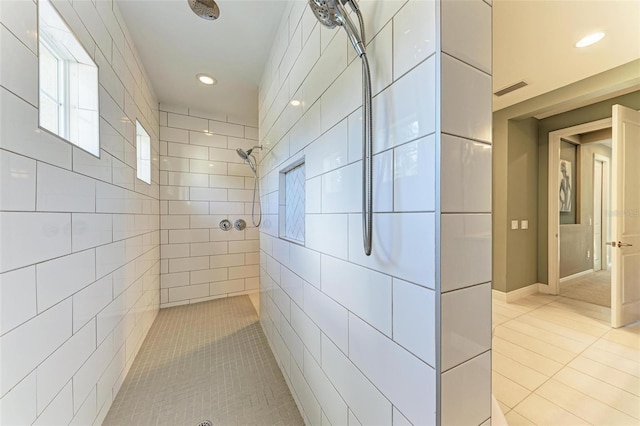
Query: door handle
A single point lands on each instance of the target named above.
(618, 244)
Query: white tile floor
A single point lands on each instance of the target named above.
(556, 361)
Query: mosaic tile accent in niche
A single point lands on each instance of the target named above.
(295, 202)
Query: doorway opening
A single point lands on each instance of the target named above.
(571, 219)
(597, 182)
(584, 258)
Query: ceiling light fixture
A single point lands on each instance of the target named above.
(206, 79)
(590, 39)
(295, 102)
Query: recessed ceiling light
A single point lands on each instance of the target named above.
(295, 102)
(206, 79)
(590, 39)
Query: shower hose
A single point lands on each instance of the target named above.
(253, 205)
(367, 147)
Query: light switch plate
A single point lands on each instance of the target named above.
(514, 224)
(524, 224)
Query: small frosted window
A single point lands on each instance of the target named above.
(294, 203)
(143, 153)
(68, 77)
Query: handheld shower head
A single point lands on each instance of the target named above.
(242, 154)
(325, 11)
(246, 156)
(331, 13)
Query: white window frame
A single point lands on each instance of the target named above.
(143, 149)
(62, 99)
(68, 113)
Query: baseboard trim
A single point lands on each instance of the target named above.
(544, 288)
(499, 295)
(578, 275)
(514, 295)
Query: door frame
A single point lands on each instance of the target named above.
(553, 218)
(604, 205)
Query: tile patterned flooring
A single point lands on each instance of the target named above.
(556, 361)
(593, 288)
(205, 361)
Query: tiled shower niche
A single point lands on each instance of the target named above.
(292, 187)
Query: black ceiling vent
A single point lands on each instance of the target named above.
(511, 88)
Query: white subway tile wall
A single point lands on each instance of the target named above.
(364, 347)
(88, 252)
(79, 235)
(336, 301)
(202, 182)
(465, 204)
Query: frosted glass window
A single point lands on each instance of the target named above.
(294, 203)
(68, 77)
(143, 153)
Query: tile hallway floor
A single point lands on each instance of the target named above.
(205, 361)
(593, 288)
(556, 361)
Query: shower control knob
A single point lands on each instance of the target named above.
(240, 224)
(225, 225)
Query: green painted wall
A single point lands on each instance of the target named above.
(499, 202)
(514, 254)
(586, 114)
(522, 194)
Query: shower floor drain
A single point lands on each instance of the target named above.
(205, 423)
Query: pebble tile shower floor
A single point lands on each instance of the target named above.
(206, 361)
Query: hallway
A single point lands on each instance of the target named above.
(593, 288)
(556, 361)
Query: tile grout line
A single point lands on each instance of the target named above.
(565, 365)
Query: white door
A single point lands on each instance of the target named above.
(625, 220)
(597, 215)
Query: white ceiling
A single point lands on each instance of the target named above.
(175, 45)
(533, 40)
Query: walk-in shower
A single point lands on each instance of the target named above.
(250, 159)
(331, 13)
